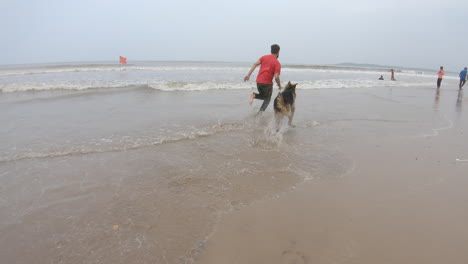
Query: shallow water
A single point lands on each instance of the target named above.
(139, 174)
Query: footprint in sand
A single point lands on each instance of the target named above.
(293, 257)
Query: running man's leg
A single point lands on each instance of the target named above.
(265, 92)
(260, 95)
(262, 91)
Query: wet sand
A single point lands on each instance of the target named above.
(135, 175)
(403, 200)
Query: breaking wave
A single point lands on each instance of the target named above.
(196, 86)
(110, 68)
(18, 71)
(122, 143)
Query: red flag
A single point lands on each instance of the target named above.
(123, 60)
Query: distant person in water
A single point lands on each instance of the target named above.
(381, 77)
(392, 75)
(270, 68)
(440, 75)
(462, 78)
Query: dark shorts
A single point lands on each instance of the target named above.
(264, 93)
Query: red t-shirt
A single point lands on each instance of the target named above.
(269, 66)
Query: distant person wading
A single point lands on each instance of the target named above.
(269, 67)
(440, 75)
(462, 78)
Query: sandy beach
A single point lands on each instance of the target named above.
(403, 200)
(166, 162)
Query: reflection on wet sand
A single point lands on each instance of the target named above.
(436, 100)
(459, 104)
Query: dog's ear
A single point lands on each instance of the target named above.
(293, 86)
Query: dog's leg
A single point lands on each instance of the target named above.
(291, 115)
(278, 117)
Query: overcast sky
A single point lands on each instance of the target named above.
(409, 33)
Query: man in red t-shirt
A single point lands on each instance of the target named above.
(269, 68)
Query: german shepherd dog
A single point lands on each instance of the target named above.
(285, 105)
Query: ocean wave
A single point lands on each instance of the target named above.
(123, 143)
(336, 83)
(162, 86)
(303, 85)
(70, 85)
(113, 68)
(201, 86)
(54, 69)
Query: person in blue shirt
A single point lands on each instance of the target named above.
(462, 78)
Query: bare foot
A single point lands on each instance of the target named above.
(251, 98)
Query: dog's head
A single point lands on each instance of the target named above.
(290, 86)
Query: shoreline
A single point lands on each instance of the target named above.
(401, 202)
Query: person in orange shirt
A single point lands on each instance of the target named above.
(440, 74)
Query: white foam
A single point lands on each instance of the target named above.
(356, 83)
(201, 68)
(114, 68)
(190, 77)
(70, 85)
(198, 86)
(121, 143)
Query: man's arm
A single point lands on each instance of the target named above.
(247, 77)
(277, 79)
